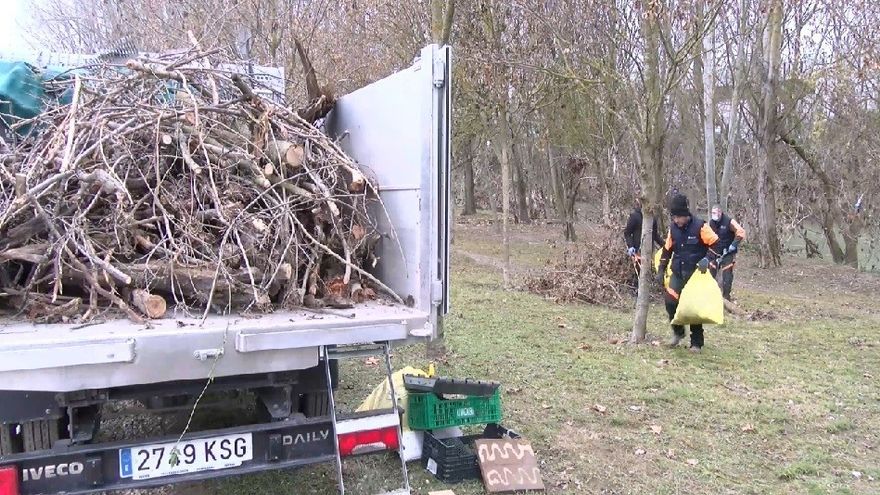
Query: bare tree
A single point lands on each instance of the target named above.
(766, 190)
(659, 79)
(733, 127)
(705, 76)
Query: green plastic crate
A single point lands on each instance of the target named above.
(428, 411)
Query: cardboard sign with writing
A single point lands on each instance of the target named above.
(508, 465)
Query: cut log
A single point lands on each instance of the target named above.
(284, 154)
(20, 185)
(35, 253)
(150, 305)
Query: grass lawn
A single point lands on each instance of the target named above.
(786, 404)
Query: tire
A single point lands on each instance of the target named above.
(316, 404)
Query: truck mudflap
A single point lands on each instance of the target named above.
(199, 456)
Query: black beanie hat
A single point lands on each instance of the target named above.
(679, 206)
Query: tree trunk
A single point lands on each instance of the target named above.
(643, 300)
(504, 143)
(769, 240)
(851, 241)
(708, 103)
(522, 199)
(442, 13)
(829, 228)
(604, 185)
(470, 201)
(494, 201)
(568, 230)
(833, 217)
(650, 166)
(611, 128)
(555, 186)
(733, 129)
(564, 210)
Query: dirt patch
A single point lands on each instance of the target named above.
(805, 289)
(592, 461)
(485, 260)
(762, 315)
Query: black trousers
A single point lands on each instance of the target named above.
(726, 274)
(676, 284)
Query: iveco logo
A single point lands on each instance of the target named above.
(54, 471)
(312, 436)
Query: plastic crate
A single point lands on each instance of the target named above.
(430, 412)
(451, 460)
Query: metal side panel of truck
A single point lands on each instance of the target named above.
(398, 128)
(55, 380)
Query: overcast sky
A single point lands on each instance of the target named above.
(11, 21)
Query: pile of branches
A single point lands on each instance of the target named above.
(594, 271)
(164, 183)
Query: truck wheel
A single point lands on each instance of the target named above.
(40, 434)
(10, 440)
(316, 404)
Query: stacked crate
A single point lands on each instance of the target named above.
(476, 403)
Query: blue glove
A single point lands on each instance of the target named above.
(631, 252)
(732, 248)
(703, 265)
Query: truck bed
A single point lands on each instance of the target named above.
(64, 357)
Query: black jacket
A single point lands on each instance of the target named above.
(633, 231)
(689, 246)
(726, 231)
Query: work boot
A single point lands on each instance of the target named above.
(695, 350)
(675, 340)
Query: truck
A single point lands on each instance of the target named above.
(56, 379)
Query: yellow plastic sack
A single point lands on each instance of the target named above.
(668, 273)
(700, 302)
(380, 398)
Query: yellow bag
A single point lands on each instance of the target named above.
(380, 398)
(700, 301)
(668, 274)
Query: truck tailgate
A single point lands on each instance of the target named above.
(62, 358)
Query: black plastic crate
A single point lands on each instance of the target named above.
(451, 460)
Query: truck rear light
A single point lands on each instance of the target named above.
(9, 480)
(371, 433)
(363, 442)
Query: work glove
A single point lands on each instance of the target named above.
(631, 252)
(703, 265)
(732, 248)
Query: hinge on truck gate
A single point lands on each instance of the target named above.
(439, 73)
(426, 331)
(437, 292)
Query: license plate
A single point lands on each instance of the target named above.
(190, 456)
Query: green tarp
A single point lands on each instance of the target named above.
(23, 92)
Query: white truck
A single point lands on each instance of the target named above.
(55, 379)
